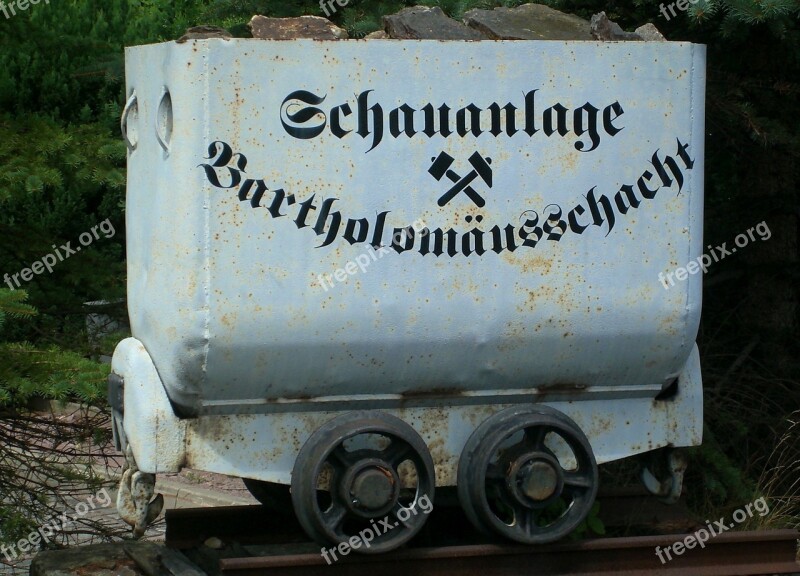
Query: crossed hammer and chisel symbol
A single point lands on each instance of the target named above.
(441, 167)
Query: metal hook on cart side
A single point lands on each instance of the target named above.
(134, 497)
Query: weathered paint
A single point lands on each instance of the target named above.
(264, 446)
(225, 297)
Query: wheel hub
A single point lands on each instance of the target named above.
(373, 488)
(539, 481)
(370, 486)
(534, 478)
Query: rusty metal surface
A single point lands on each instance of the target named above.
(730, 554)
(225, 258)
(264, 446)
(152, 431)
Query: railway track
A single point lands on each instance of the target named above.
(730, 554)
(246, 541)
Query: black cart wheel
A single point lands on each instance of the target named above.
(364, 474)
(527, 473)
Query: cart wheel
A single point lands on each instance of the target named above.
(365, 474)
(527, 473)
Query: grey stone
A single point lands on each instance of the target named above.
(203, 32)
(97, 558)
(123, 559)
(147, 558)
(528, 22)
(377, 35)
(649, 33)
(313, 27)
(424, 23)
(604, 29)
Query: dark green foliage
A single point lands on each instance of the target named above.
(28, 372)
(722, 480)
(42, 457)
(56, 183)
(12, 306)
(65, 59)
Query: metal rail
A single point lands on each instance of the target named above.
(259, 541)
(729, 554)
